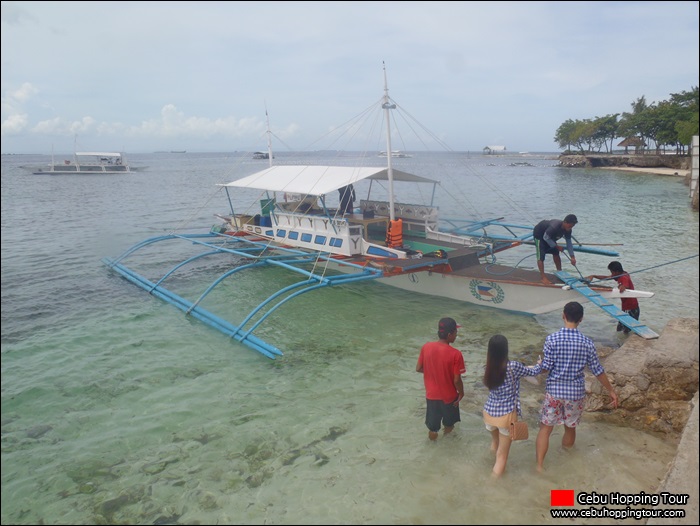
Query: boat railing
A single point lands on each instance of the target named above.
(308, 205)
(316, 232)
(454, 238)
(316, 223)
(420, 217)
(346, 236)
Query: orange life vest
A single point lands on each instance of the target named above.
(394, 234)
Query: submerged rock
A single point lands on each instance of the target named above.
(38, 431)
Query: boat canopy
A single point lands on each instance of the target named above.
(99, 154)
(318, 180)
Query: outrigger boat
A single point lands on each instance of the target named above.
(403, 245)
(90, 163)
(395, 154)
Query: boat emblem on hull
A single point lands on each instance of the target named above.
(486, 291)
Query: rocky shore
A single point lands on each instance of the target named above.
(654, 379)
(647, 161)
(657, 385)
(682, 475)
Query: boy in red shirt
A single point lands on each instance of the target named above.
(442, 366)
(624, 282)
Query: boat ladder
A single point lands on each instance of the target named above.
(613, 311)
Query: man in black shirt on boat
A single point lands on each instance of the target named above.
(546, 234)
(347, 198)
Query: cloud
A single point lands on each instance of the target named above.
(197, 75)
(15, 124)
(174, 123)
(14, 119)
(13, 14)
(57, 126)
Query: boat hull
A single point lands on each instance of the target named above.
(88, 163)
(85, 170)
(514, 297)
(496, 286)
(522, 297)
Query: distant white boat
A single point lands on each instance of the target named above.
(88, 163)
(395, 153)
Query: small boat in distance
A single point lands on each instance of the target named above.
(396, 154)
(262, 155)
(88, 163)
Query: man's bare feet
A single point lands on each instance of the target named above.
(546, 281)
(432, 435)
(447, 430)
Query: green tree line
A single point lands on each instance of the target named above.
(666, 124)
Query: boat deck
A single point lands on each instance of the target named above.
(462, 261)
(490, 271)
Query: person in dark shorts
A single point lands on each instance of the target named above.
(624, 282)
(442, 366)
(546, 233)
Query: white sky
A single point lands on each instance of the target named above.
(197, 76)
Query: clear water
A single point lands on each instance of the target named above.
(116, 408)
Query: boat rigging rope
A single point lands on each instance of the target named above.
(486, 268)
(515, 267)
(648, 268)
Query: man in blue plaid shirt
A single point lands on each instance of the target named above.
(567, 352)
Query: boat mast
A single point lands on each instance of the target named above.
(387, 105)
(269, 137)
(269, 147)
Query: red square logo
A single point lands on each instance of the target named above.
(561, 497)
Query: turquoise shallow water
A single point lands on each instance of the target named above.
(116, 408)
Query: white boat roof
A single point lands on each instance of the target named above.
(318, 180)
(101, 154)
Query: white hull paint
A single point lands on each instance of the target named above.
(527, 296)
(524, 298)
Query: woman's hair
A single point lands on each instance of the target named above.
(496, 362)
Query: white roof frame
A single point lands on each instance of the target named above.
(318, 180)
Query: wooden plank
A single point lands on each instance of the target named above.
(596, 299)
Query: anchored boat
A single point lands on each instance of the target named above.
(90, 163)
(396, 154)
(296, 225)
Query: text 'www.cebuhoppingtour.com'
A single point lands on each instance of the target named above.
(598, 505)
